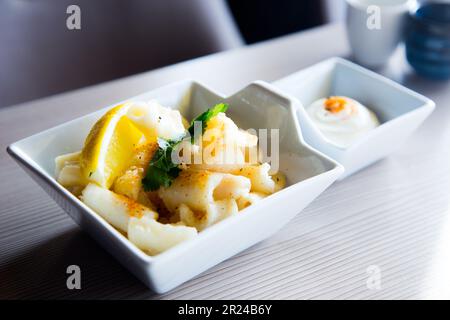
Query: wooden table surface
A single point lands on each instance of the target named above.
(392, 217)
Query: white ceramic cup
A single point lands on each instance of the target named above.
(375, 28)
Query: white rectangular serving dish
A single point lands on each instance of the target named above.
(400, 110)
(309, 172)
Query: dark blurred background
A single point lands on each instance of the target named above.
(260, 20)
(39, 56)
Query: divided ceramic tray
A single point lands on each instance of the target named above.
(309, 161)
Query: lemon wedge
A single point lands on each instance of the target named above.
(109, 147)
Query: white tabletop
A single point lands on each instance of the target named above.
(392, 217)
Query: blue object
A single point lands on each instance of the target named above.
(428, 40)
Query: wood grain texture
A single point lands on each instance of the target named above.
(394, 214)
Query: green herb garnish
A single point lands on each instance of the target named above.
(205, 117)
(161, 170)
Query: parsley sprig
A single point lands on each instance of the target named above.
(161, 170)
